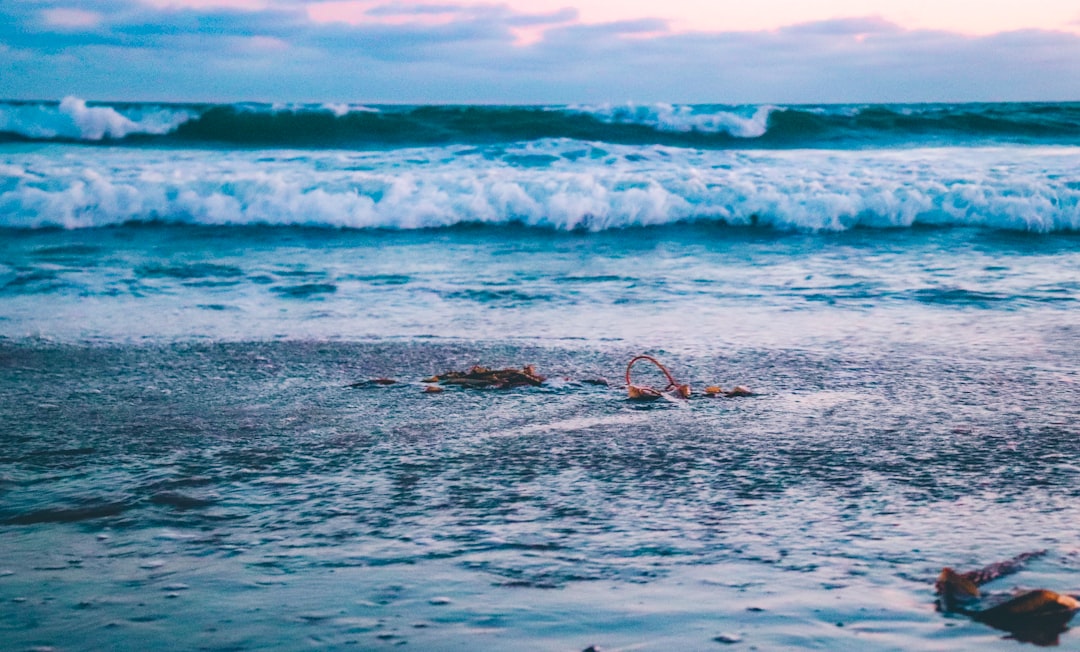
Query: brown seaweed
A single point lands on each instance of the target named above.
(716, 391)
(482, 377)
(647, 393)
(1038, 616)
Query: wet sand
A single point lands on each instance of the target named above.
(241, 496)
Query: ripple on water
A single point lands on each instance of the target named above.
(189, 271)
(69, 514)
(304, 290)
(503, 297)
(34, 281)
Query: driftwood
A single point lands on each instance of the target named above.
(1038, 616)
(482, 377)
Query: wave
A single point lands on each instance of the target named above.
(72, 119)
(353, 126)
(557, 184)
(684, 119)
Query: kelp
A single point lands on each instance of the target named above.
(482, 377)
(1038, 616)
(715, 391)
(673, 389)
(647, 393)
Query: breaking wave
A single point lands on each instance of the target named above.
(352, 126)
(74, 119)
(556, 184)
(684, 119)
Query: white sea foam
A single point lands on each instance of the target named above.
(343, 109)
(73, 118)
(339, 109)
(1020, 188)
(750, 123)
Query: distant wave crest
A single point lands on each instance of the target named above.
(751, 122)
(358, 126)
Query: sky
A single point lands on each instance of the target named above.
(541, 51)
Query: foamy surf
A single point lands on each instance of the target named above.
(551, 184)
(741, 122)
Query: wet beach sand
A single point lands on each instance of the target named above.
(239, 495)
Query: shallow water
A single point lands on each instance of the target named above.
(685, 286)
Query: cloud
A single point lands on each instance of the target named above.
(361, 13)
(70, 18)
(844, 27)
(454, 52)
(616, 28)
(402, 9)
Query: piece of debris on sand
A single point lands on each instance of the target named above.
(647, 393)
(1038, 616)
(716, 391)
(374, 382)
(673, 389)
(482, 377)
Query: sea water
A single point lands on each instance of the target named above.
(188, 294)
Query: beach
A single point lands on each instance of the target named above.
(191, 457)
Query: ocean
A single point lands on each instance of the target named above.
(192, 297)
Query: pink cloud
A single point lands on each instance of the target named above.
(352, 12)
(991, 16)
